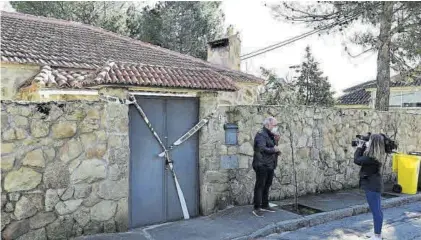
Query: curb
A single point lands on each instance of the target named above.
(320, 218)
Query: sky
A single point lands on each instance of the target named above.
(258, 28)
(5, 6)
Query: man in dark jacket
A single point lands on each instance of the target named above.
(265, 161)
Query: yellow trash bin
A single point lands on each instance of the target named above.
(407, 167)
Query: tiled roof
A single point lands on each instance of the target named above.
(357, 97)
(128, 74)
(358, 94)
(147, 75)
(415, 82)
(395, 81)
(360, 86)
(237, 75)
(60, 78)
(62, 44)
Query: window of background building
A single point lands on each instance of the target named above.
(405, 99)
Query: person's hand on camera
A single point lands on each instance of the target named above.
(360, 144)
(276, 149)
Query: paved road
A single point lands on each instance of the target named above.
(399, 223)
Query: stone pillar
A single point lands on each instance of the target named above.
(215, 191)
(118, 151)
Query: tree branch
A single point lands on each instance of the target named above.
(403, 28)
(402, 63)
(361, 53)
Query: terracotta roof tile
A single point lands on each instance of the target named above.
(62, 44)
(134, 75)
(148, 75)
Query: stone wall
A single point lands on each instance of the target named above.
(318, 139)
(246, 95)
(64, 169)
(12, 76)
(65, 165)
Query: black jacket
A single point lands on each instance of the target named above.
(370, 172)
(264, 151)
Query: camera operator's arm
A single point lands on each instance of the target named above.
(261, 145)
(358, 155)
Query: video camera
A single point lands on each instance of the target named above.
(354, 143)
(389, 144)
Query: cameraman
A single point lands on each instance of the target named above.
(369, 155)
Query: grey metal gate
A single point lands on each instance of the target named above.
(153, 197)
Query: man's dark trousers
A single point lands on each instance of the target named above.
(264, 177)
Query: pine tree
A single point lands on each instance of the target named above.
(313, 88)
(185, 27)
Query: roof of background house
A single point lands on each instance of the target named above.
(360, 86)
(65, 45)
(357, 95)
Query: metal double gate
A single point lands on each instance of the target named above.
(153, 196)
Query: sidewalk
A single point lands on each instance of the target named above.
(402, 222)
(239, 223)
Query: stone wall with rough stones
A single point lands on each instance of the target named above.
(13, 76)
(318, 139)
(64, 169)
(64, 165)
(247, 94)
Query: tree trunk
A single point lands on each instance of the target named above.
(383, 58)
(307, 89)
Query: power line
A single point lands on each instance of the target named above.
(274, 46)
(289, 41)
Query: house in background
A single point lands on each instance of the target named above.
(403, 94)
